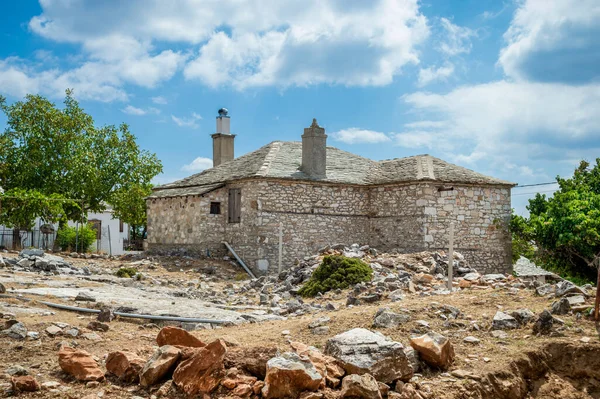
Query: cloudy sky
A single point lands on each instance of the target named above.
(508, 88)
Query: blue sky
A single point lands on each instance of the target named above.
(507, 88)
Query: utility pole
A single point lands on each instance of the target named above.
(450, 255)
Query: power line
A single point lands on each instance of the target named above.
(535, 192)
(537, 184)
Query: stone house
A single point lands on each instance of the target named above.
(312, 195)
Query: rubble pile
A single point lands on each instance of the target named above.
(36, 260)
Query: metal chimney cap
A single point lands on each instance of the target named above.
(223, 112)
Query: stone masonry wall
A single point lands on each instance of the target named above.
(406, 218)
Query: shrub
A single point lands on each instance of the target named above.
(126, 272)
(68, 236)
(335, 272)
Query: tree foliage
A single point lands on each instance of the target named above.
(130, 207)
(18, 206)
(55, 151)
(565, 228)
(335, 272)
(78, 239)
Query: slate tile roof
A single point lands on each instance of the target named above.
(282, 159)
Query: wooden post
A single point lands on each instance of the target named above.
(109, 243)
(450, 255)
(280, 247)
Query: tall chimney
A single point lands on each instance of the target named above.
(314, 150)
(222, 140)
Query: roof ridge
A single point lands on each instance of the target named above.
(266, 166)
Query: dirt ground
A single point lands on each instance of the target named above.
(478, 306)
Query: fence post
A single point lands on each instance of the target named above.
(109, 242)
(280, 246)
(76, 236)
(451, 256)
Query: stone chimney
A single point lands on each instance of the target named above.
(222, 140)
(314, 151)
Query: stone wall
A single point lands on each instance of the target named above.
(406, 218)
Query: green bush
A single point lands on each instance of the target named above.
(335, 272)
(68, 236)
(126, 272)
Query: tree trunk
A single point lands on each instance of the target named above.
(597, 305)
(16, 239)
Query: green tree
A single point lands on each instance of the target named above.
(130, 207)
(566, 227)
(60, 151)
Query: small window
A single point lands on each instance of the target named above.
(120, 226)
(97, 225)
(235, 205)
(215, 208)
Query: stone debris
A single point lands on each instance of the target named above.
(16, 331)
(25, 383)
(84, 297)
(160, 366)
(202, 371)
(385, 318)
(361, 351)
(544, 323)
(288, 375)
(177, 337)
(125, 365)
(360, 386)
(560, 307)
(502, 321)
(565, 287)
(79, 364)
(435, 349)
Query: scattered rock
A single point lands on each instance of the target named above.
(523, 316)
(566, 287)
(384, 318)
(84, 297)
(544, 290)
(2, 287)
(125, 365)
(79, 364)
(560, 307)
(16, 331)
(203, 370)
(251, 360)
(361, 351)
(499, 334)
(160, 365)
(544, 323)
(502, 321)
(25, 383)
(435, 349)
(360, 386)
(471, 340)
(323, 330)
(98, 326)
(288, 375)
(17, 370)
(177, 337)
(106, 315)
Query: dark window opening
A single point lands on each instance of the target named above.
(215, 208)
(235, 205)
(120, 226)
(97, 225)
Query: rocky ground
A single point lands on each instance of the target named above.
(403, 335)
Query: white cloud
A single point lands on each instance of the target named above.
(355, 135)
(131, 110)
(431, 74)
(191, 121)
(198, 165)
(159, 100)
(456, 39)
(554, 41)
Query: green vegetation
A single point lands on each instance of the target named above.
(562, 233)
(126, 272)
(335, 272)
(58, 160)
(67, 237)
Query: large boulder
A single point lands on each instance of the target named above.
(360, 386)
(251, 360)
(177, 337)
(288, 375)
(361, 351)
(435, 349)
(502, 321)
(160, 365)
(79, 364)
(384, 318)
(327, 366)
(203, 370)
(125, 365)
